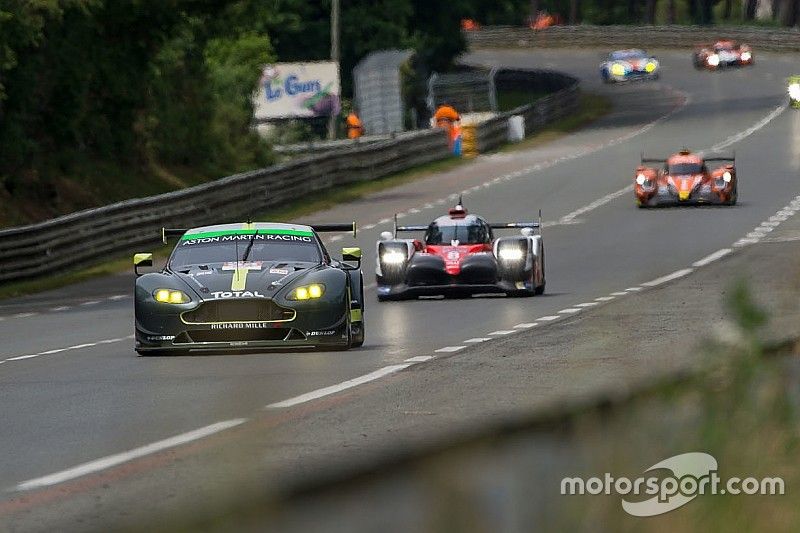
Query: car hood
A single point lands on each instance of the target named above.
(243, 280)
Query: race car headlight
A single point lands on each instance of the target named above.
(746, 56)
(650, 67)
(618, 69)
(393, 257)
(726, 177)
(511, 253)
(641, 179)
(170, 296)
(307, 292)
(794, 91)
(713, 60)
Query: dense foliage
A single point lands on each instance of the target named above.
(106, 99)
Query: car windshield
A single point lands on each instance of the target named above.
(463, 233)
(210, 251)
(678, 169)
(629, 54)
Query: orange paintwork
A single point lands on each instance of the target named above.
(684, 188)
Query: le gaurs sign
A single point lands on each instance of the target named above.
(291, 90)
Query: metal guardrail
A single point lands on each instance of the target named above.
(88, 237)
(762, 39)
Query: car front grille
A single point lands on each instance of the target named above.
(241, 335)
(240, 310)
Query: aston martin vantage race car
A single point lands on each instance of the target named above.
(793, 86)
(250, 286)
(459, 255)
(627, 65)
(686, 179)
(722, 54)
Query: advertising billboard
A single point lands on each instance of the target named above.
(297, 90)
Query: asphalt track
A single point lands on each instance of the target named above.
(73, 390)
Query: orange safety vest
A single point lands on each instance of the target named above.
(354, 127)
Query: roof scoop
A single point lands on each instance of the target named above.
(459, 211)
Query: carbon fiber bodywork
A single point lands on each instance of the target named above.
(258, 312)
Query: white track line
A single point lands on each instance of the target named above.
(752, 129)
(339, 387)
(67, 349)
(23, 315)
(477, 340)
(547, 318)
(569, 311)
(449, 349)
(710, 258)
(117, 459)
(605, 298)
(586, 304)
(669, 277)
(419, 359)
(503, 332)
(526, 325)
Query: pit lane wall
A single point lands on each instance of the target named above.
(616, 37)
(91, 236)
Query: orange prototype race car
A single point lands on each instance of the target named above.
(722, 54)
(685, 179)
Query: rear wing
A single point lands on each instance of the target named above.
(168, 233)
(335, 228)
(537, 225)
(494, 225)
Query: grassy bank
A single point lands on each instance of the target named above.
(591, 108)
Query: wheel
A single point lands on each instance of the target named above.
(357, 334)
(538, 291)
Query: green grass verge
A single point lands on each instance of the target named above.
(591, 108)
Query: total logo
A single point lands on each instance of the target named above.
(222, 295)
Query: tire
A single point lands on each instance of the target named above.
(358, 338)
(538, 291)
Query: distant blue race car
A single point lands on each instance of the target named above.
(627, 65)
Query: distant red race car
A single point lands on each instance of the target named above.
(459, 255)
(685, 179)
(722, 54)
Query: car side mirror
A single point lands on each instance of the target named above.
(352, 254)
(142, 260)
(386, 235)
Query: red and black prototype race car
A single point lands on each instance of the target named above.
(722, 54)
(459, 255)
(685, 178)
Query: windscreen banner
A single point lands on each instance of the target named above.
(297, 90)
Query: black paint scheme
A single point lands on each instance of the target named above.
(257, 316)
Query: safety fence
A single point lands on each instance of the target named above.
(600, 37)
(91, 236)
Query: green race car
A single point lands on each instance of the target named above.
(250, 286)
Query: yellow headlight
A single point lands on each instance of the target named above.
(308, 292)
(650, 67)
(617, 69)
(167, 296)
(315, 291)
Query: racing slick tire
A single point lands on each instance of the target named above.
(357, 338)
